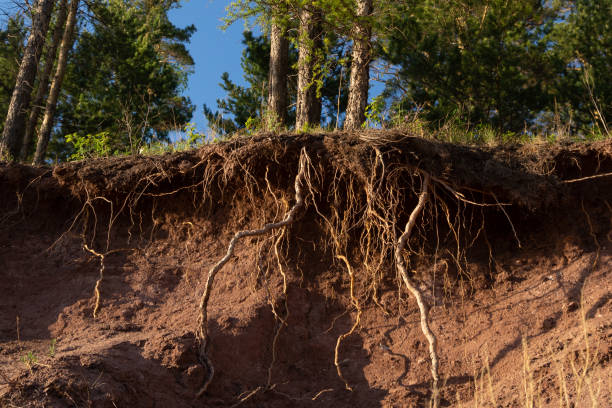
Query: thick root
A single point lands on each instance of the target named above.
(202, 332)
(416, 292)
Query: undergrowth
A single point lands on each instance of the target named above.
(452, 130)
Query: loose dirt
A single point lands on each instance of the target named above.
(513, 254)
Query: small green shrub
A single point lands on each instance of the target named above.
(91, 145)
(29, 359)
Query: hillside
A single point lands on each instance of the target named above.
(103, 267)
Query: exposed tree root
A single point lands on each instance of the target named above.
(246, 397)
(518, 241)
(586, 178)
(282, 321)
(203, 318)
(99, 281)
(355, 303)
(416, 292)
(592, 233)
(361, 194)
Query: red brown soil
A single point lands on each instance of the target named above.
(512, 322)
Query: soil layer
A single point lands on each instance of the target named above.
(513, 254)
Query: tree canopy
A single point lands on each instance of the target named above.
(124, 80)
(520, 67)
(126, 76)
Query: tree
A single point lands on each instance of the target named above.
(67, 40)
(319, 65)
(43, 80)
(274, 18)
(360, 67)
(12, 40)
(310, 44)
(478, 61)
(583, 42)
(277, 86)
(12, 134)
(247, 104)
(124, 79)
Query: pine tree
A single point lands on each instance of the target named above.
(14, 126)
(12, 40)
(277, 84)
(124, 80)
(45, 128)
(310, 45)
(360, 67)
(43, 81)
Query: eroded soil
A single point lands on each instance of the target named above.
(516, 325)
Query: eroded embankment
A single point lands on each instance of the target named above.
(508, 245)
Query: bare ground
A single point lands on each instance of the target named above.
(520, 293)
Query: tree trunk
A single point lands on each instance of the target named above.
(308, 109)
(12, 134)
(360, 69)
(277, 83)
(45, 128)
(43, 81)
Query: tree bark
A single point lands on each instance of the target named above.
(12, 134)
(308, 109)
(47, 124)
(277, 83)
(360, 68)
(43, 81)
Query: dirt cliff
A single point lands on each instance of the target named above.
(103, 264)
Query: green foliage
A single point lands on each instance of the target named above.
(583, 42)
(91, 145)
(191, 138)
(29, 359)
(244, 107)
(124, 81)
(253, 125)
(487, 61)
(12, 40)
(375, 113)
(102, 144)
(468, 71)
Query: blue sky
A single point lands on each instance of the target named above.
(214, 52)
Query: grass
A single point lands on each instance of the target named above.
(571, 369)
(52, 348)
(450, 131)
(30, 360)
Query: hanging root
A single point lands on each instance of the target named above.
(423, 307)
(355, 303)
(99, 281)
(282, 321)
(202, 331)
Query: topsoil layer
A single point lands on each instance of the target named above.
(513, 252)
